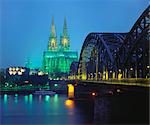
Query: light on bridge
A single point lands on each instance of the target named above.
(131, 69)
(118, 90)
(119, 76)
(93, 94)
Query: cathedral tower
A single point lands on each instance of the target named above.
(64, 39)
(57, 59)
(52, 44)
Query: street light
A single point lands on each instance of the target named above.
(93, 94)
(131, 69)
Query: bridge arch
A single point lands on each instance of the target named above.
(106, 55)
(133, 57)
(97, 57)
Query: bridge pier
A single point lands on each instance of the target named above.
(70, 91)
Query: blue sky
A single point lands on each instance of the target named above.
(25, 24)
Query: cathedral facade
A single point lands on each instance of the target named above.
(58, 57)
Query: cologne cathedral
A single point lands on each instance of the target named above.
(58, 56)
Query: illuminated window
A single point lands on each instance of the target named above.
(17, 69)
(10, 69)
(53, 43)
(10, 72)
(65, 41)
(19, 73)
(22, 70)
(14, 72)
(40, 73)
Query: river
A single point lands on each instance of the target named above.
(19, 109)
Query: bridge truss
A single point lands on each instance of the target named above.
(117, 55)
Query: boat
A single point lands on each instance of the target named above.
(44, 92)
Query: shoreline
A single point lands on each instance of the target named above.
(28, 91)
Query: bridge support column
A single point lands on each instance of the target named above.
(113, 75)
(136, 73)
(106, 74)
(70, 91)
(119, 75)
(125, 73)
(103, 75)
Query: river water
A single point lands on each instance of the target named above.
(42, 110)
(18, 109)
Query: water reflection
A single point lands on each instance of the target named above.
(47, 98)
(47, 109)
(40, 98)
(5, 98)
(62, 111)
(56, 98)
(30, 98)
(16, 98)
(26, 99)
(69, 104)
(56, 101)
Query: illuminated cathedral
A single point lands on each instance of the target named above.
(58, 57)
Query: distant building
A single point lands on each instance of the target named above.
(16, 74)
(17, 71)
(25, 76)
(58, 58)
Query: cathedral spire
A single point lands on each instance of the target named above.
(52, 45)
(64, 39)
(65, 27)
(53, 33)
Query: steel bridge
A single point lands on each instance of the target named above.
(118, 56)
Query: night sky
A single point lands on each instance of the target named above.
(25, 24)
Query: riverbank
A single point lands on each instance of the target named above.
(28, 91)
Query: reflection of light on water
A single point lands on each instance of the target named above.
(40, 97)
(26, 98)
(5, 98)
(30, 98)
(47, 98)
(56, 98)
(56, 103)
(69, 103)
(16, 98)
